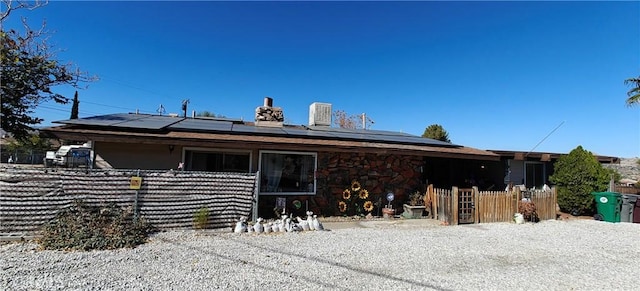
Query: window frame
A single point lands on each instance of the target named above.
(544, 172)
(315, 170)
(217, 151)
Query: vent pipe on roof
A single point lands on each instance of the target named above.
(268, 102)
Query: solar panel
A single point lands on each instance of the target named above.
(155, 122)
(358, 131)
(103, 120)
(378, 135)
(304, 132)
(238, 128)
(143, 121)
(202, 125)
(149, 122)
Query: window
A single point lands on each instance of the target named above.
(212, 160)
(534, 175)
(287, 173)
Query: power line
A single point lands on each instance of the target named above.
(133, 86)
(67, 110)
(561, 123)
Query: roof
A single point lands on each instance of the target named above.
(144, 128)
(546, 156)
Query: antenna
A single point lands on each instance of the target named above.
(160, 109)
(561, 123)
(184, 107)
(366, 119)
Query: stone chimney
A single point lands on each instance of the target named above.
(270, 116)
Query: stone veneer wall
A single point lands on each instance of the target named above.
(379, 174)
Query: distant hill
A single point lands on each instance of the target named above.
(628, 168)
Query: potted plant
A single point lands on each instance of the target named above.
(416, 206)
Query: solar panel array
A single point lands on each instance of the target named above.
(124, 120)
(158, 122)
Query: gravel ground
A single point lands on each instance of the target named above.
(551, 255)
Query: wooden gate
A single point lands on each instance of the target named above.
(466, 206)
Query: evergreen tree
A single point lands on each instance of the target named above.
(576, 175)
(437, 132)
(74, 108)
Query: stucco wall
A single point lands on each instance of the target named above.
(139, 156)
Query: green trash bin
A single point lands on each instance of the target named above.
(608, 205)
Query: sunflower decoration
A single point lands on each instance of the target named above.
(355, 186)
(342, 206)
(364, 194)
(346, 194)
(355, 200)
(368, 206)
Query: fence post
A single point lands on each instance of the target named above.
(554, 194)
(135, 201)
(475, 194)
(435, 203)
(454, 206)
(517, 204)
(254, 213)
(431, 198)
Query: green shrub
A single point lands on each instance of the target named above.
(576, 175)
(201, 218)
(84, 227)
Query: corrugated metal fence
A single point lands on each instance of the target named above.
(166, 199)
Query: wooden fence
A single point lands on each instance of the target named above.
(626, 189)
(452, 206)
(166, 199)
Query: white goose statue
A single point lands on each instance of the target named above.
(241, 225)
(317, 225)
(258, 227)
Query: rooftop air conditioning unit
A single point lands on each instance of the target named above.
(320, 114)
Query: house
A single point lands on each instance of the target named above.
(308, 165)
(533, 169)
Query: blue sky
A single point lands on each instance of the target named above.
(495, 75)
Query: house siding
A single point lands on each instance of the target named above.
(139, 156)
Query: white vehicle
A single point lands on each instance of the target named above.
(72, 156)
(49, 159)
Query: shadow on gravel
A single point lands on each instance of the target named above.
(414, 283)
(229, 258)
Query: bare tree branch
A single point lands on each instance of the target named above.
(9, 6)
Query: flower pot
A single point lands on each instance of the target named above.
(388, 212)
(411, 211)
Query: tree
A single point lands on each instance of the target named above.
(32, 143)
(30, 70)
(206, 113)
(25, 149)
(342, 120)
(74, 108)
(437, 132)
(634, 93)
(576, 175)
